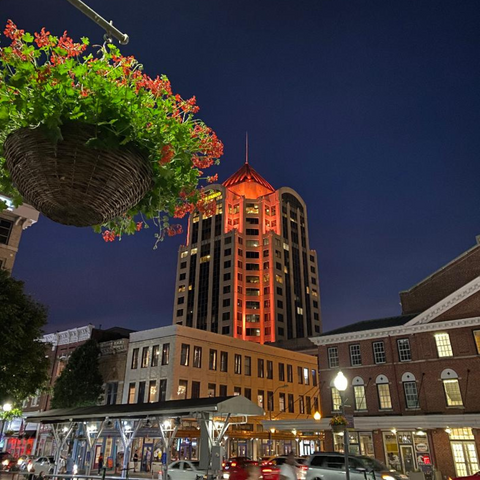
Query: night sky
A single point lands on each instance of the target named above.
(370, 110)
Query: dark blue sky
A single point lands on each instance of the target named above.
(370, 110)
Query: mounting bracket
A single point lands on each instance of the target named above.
(110, 30)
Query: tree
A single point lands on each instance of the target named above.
(23, 364)
(81, 383)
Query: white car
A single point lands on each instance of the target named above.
(43, 465)
(185, 470)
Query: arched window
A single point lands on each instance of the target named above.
(383, 390)
(410, 390)
(336, 398)
(359, 393)
(451, 387)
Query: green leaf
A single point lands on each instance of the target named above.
(27, 38)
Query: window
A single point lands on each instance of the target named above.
(260, 398)
(260, 368)
(291, 403)
(360, 398)
(314, 377)
(131, 393)
(300, 375)
(308, 405)
(227, 277)
(238, 364)
(306, 376)
(281, 372)
(355, 356)
(112, 389)
(383, 389)
(226, 289)
(182, 276)
(152, 391)
(135, 359)
(333, 357)
(237, 391)
(289, 373)
(336, 400)
(145, 357)
(252, 231)
(181, 300)
(228, 251)
(195, 389)
(253, 318)
(223, 391)
(253, 243)
(197, 357)
(155, 355)
(248, 366)
(301, 404)
(444, 347)
(141, 392)
(476, 336)
(269, 369)
(411, 394)
(250, 254)
(5, 230)
(162, 395)
(211, 389)
(253, 305)
(227, 264)
(226, 302)
(224, 361)
(180, 312)
(182, 389)
(166, 354)
(404, 354)
(281, 402)
(270, 401)
(379, 352)
(185, 354)
(452, 388)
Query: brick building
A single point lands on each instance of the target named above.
(12, 223)
(413, 388)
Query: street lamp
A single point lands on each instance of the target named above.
(341, 384)
(317, 416)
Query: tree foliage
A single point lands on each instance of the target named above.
(23, 364)
(80, 383)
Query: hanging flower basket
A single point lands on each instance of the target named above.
(89, 139)
(338, 423)
(74, 184)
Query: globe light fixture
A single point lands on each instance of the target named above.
(317, 416)
(7, 407)
(340, 382)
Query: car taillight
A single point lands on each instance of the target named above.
(223, 464)
(233, 464)
(304, 468)
(267, 470)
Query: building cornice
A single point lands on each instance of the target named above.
(402, 330)
(447, 303)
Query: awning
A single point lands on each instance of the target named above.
(233, 406)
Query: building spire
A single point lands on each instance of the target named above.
(246, 148)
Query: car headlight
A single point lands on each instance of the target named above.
(5, 462)
(29, 467)
(388, 477)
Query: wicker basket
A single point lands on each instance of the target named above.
(71, 183)
(338, 428)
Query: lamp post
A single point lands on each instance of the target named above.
(341, 384)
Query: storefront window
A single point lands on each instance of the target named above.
(464, 451)
(360, 443)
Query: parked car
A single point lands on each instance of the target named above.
(185, 470)
(7, 462)
(475, 476)
(235, 468)
(43, 465)
(328, 466)
(271, 467)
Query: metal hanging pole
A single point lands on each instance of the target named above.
(110, 30)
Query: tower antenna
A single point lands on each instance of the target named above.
(246, 148)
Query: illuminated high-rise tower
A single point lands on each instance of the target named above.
(247, 271)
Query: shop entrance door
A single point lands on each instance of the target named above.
(465, 458)
(408, 461)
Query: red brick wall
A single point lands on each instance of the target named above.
(442, 453)
(442, 283)
(425, 366)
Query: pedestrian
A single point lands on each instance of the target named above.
(288, 471)
(135, 461)
(100, 463)
(69, 464)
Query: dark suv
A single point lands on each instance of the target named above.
(331, 466)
